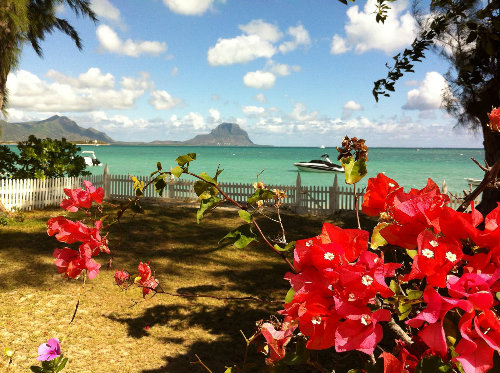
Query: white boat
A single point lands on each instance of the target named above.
(90, 158)
(319, 165)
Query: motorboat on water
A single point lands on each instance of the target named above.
(90, 158)
(319, 165)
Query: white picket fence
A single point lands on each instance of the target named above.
(31, 194)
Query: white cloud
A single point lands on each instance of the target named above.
(266, 31)
(261, 98)
(299, 113)
(110, 42)
(364, 33)
(188, 7)
(259, 79)
(193, 120)
(253, 111)
(349, 107)
(66, 94)
(338, 45)
(428, 95)
(241, 49)
(174, 72)
(104, 9)
(300, 37)
(162, 100)
(214, 114)
(280, 69)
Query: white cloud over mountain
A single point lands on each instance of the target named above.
(363, 33)
(109, 41)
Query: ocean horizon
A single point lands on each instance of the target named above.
(410, 167)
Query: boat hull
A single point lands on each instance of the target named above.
(317, 168)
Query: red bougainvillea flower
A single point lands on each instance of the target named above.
(413, 212)
(374, 200)
(146, 280)
(351, 242)
(366, 278)
(277, 340)
(432, 333)
(70, 263)
(436, 257)
(361, 332)
(494, 117)
(474, 353)
(79, 198)
(121, 277)
(475, 287)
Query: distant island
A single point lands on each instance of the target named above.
(57, 127)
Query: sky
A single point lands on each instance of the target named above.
(289, 72)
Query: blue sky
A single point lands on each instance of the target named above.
(289, 72)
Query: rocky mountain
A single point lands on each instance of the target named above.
(225, 134)
(55, 127)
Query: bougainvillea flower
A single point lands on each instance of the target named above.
(475, 287)
(277, 340)
(68, 231)
(413, 212)
(92, 267)
(144, 270)
(475, 355)
(148, 285)
(404, 363)
(79, 198)
(361, 332)
(432, 333)
(494, 117)
(121, 277)
(366, 278)
(353, 241)
(69, 262)
(374, 200)
(436, 257)
(50, 350)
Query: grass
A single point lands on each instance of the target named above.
(111, 334)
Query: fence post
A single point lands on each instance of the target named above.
(106, 182)
(298, 194)
(445, 187)
(334, 196)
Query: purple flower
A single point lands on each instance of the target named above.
(49, 350)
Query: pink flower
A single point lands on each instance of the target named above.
(277, 340)
(494, 117)
(121, 277)
(50, 350)
(79, 198)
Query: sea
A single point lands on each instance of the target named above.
(410, 167)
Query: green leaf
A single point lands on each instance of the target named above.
(377, 240)
(414, 294)
(354, 170)
(137, 186)
(206, 204)
(241, 236)
(432, 364)
(404, 310)
(204, 190)
(245, 215)
(286, 248)
(62, 364)
(411, 253)
(261, 195)
(395, 287)
(208, 178)
(158, 166)
(289, 295)
(177, 171)
(36, 369)
(160, 184)
(183, 159)
(497, 295)
(228, 370)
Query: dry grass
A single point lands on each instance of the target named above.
(162, 334)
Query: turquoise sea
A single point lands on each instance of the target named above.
(409, 167)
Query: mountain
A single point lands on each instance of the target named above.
(225, 134)
(55, 127)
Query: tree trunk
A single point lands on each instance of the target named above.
(491, 144)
